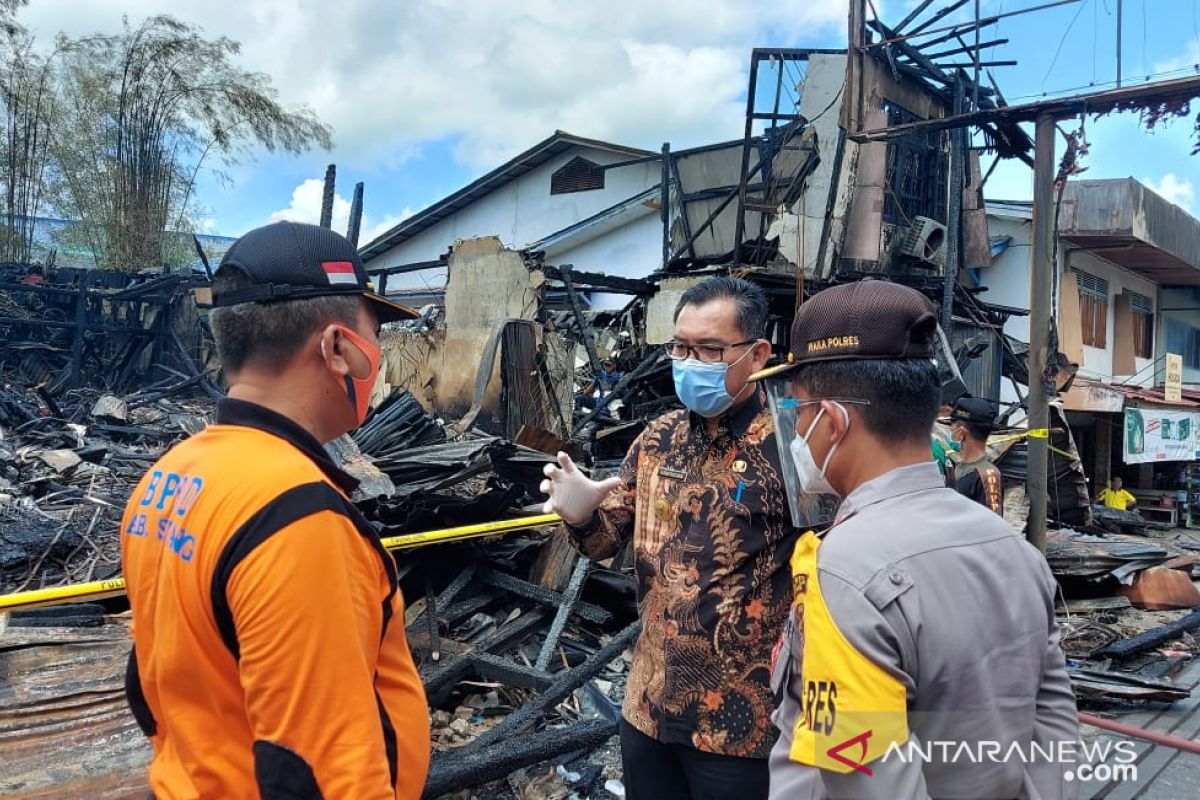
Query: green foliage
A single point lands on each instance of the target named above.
(113, 130)
(28, 108)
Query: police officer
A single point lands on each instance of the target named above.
(970, 472)
(919, 618)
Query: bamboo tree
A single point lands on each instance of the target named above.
(29, 109)
(144, 112)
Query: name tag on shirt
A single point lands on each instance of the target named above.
(667, 472)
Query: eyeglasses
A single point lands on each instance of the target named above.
(795, 403)
(708, 353)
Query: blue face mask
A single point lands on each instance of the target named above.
(701, 386)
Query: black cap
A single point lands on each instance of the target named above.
(293, 261)
(857, 321)
(973, 411)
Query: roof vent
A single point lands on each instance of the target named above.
(577, 175)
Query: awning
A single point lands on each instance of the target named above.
(1104, 398)
(1124, 222)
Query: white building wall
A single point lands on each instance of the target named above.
(520, 213)
(820, 102)
(1009, 279)
(633, 250)
(1098, 363)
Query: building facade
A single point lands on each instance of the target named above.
(1128, 282)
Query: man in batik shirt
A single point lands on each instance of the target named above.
(702, 498)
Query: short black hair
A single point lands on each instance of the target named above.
(978, 431)
(902, 394)
(749, 298)
(271, 333)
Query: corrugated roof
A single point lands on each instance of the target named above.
(1022, 209)
(532, 158)
(1154, 396)
(1134, 395)
(65, 727)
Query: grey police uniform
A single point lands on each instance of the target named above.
(949, 602)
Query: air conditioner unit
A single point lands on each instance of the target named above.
(925, 240)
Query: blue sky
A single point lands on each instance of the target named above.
(425, 95)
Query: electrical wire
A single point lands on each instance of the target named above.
(1153, 365)
(1174, 73)
(1063, 41)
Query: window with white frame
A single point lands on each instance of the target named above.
(1093, 308)
(1142, 308)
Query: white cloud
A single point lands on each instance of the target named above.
(369, 232)
(1190, 59)
(306, 207)
(493, 75)
(1180, 192)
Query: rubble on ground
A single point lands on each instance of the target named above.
(65, 479)
(1127, 618)
(523, 645)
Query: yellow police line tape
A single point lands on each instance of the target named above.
(1035, 433)
(98, 590)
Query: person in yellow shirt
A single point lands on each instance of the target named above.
(1116, 496)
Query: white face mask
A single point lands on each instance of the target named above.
(812, 478)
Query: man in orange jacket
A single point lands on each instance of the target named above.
(269, 654)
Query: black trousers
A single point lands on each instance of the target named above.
(658, 771)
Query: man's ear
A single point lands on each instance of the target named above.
(761, 354)
(838, 420)
(333, 347)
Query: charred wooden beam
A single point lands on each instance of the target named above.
(598, 280)
(569, 598)
(453, 770)
(1182, 89)
(496, 668)
(945, 12)
(452, 669)
(401, 269)
(356, 213)
(966, 48)
(566, 683)
(916, 12)
(1124, 648)
(542, 595)
(327, 196)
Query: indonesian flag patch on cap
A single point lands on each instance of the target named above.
(340, 272)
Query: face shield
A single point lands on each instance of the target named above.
(809, 510)
(949, 375)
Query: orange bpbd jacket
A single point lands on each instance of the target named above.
(269, 655)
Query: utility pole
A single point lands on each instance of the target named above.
(1120, 9)
(1039, 329)
(954, 206)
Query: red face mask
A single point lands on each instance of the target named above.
(359, 388)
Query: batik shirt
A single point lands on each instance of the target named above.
(711, 543)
